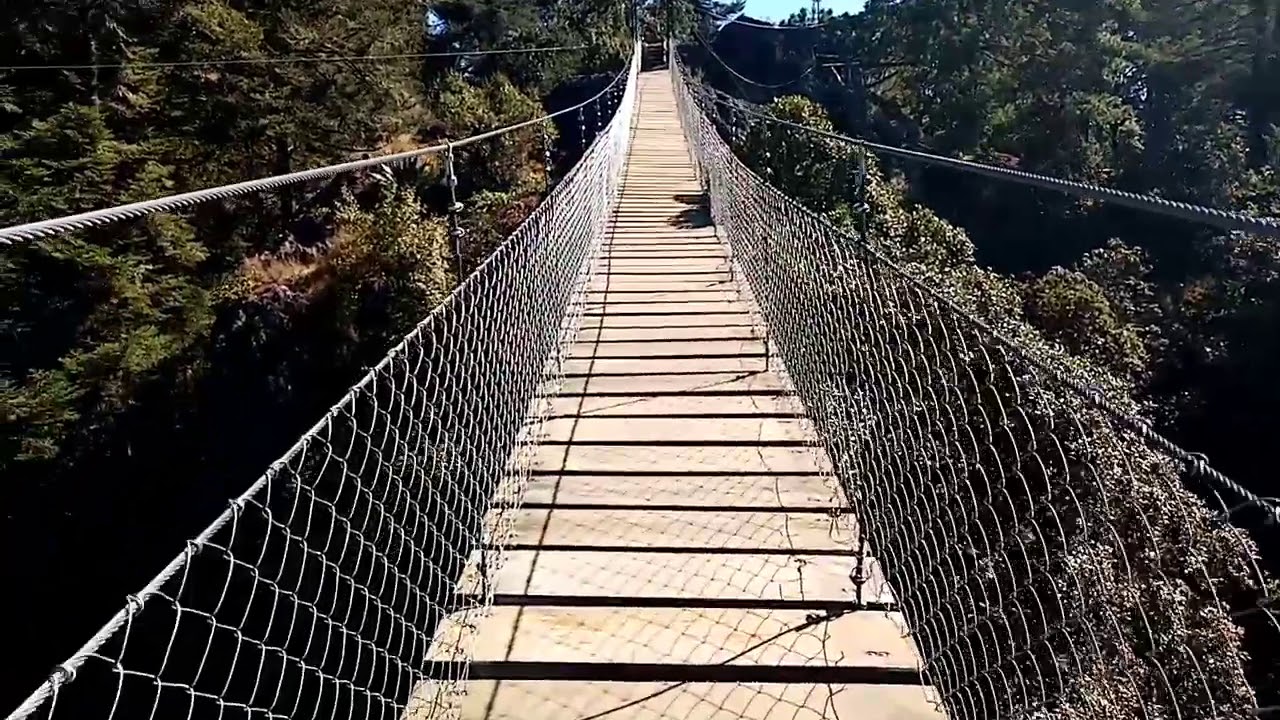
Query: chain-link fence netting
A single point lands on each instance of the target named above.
(1052, 555)
(319, 591)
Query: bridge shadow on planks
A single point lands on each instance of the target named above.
(697, 214)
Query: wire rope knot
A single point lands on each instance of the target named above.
(133, 604)
(455, 226)
(451, 178)
(547, 160)
(61, 675)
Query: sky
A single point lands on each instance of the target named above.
(781, 9)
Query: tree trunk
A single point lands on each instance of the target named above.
(284, 164)
(1263, 97)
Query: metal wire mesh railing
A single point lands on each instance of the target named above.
(318, 592)
(1052, 556)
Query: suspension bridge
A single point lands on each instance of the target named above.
(683, 449)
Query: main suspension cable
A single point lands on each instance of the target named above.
(291, 60)
(95, 218)
(1225, 219)
(1084, 389)
(766, 86)
(737, 20)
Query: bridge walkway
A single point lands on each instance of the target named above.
(681, 550)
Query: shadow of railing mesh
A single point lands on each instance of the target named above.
(1053, 557)
(319, 591)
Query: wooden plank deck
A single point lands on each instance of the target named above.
(677, 543)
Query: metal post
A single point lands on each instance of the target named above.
(859, 576)
(546, 153)
(863, 207)
(486, 586)
(455, 229)
(669, 33)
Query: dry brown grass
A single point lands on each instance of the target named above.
(510, 217)
(403, 142)
(271, 270)
(300, 272)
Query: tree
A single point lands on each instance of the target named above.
(680, 19)
(459, 25)
(1071, 309)
(1166, 98)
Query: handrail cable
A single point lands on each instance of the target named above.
(1225, 219)
(290, 60)
(1086, 391)
(93, 218)
(766, 86)
(747, 23)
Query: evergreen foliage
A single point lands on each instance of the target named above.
(1166, 98)
(1014, 516)
(153, 368)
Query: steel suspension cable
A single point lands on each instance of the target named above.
(1225, 219)
(1083, 389)
(95, 218)
(292, 60)
(766, 86)
(737, 20)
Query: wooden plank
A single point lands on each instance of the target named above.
(591, 347)
(620, 333)
(657, 429)
(695, 636)
(606, 366)
(559, 700)
(690, 488)
(708, 459)
(681, 672)
(719, 382)
(616, 306)
(679, 406)
(696, 577)
(592, 320)
(766, 530)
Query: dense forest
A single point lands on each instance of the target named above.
(153, 368)
(1181, 318)
(1172, 99)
